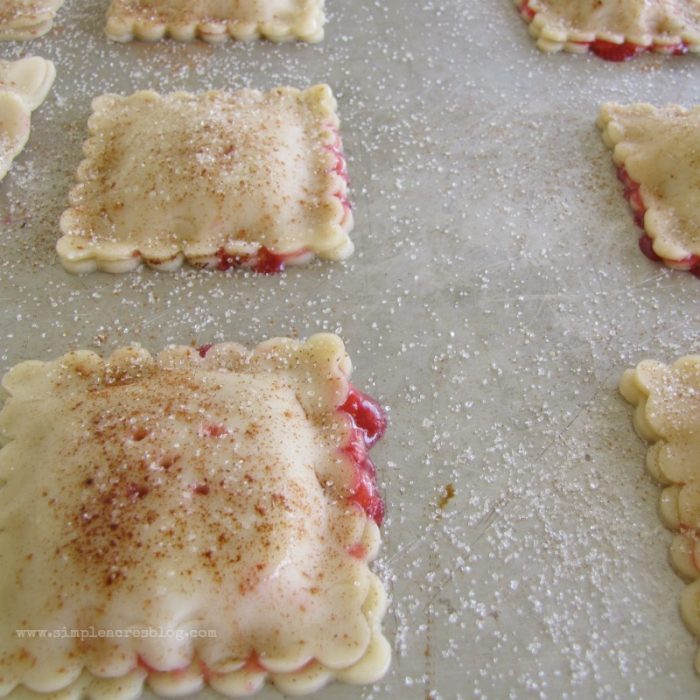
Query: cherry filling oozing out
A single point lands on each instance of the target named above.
(340, 168)
(263, 261)
(368, 425)
(646, 244)
(610, 51)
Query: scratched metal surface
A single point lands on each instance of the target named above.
(496, 296)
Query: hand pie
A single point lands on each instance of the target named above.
(217, 179)
(196, 518)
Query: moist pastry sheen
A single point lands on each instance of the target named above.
(192, 492)
(215, 20)
(667, 415)
(217, 179)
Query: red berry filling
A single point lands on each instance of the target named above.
(358, 551)
(646, 244)
(340, 168)
(608, 50)
(367, 415)
(526, 11)
(264, 261)
(368, 425)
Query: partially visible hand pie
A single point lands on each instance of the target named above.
(214, 20)
(204, 517)
(614, 29)
(23, 86)
(657, 152)
(26, 19)
(667, 400)
(219, 179)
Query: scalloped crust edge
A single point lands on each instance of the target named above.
(370, 668)
(551, 39)
(612, 130)
(30, 78)
(677, 501)
(85, 259)
(308, 29)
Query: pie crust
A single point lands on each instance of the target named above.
(614, 29)
(667, 400)
(218, 179)
(26, 19)
(657, 152)
(216, 20)
(196, 492)
(24, 85)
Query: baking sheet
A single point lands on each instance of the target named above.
(496, 295)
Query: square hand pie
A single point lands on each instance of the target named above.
(26, 19)
(667, 400)
(24, 85)
(201, 517)
(615, 30)
(657, 152)
(215, 20)
(220, 179)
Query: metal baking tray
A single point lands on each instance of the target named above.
(496, 295)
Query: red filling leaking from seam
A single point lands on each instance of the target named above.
(646, 244)
(608, 50)
(617, 53)
(340, 168)
(369, 423)
(264, 261)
